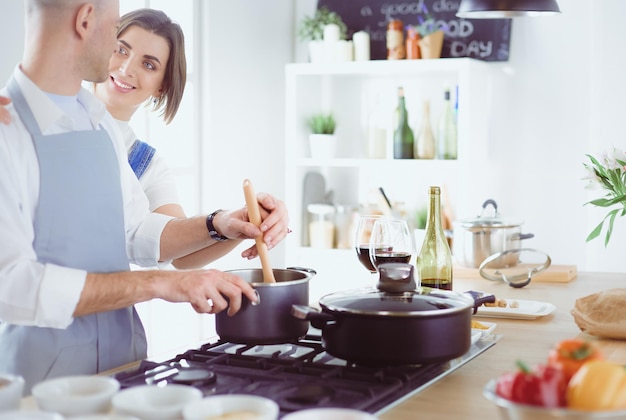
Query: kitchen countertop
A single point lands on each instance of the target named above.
(529, 340)
(459, 395)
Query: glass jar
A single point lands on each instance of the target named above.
(321, 225)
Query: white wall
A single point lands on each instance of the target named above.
(11, 28)
(558, 98)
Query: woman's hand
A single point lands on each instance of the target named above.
(5, 117)
(235, 224)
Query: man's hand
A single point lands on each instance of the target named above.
(208, 291)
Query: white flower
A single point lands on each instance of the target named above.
(609, 173)
(609, 158)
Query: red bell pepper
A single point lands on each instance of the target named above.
(544, 386)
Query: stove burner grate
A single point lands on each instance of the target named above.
(296, 375)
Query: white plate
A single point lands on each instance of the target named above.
(527, 309)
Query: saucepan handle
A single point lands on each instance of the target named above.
(306, 270)
(520, 236)
(318, 319)
(480, 298)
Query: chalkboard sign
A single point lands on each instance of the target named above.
(483, 39)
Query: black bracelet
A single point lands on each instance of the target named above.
(212, 231)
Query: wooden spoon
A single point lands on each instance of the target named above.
(255, 217)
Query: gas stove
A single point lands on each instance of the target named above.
(296, 375)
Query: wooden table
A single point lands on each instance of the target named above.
(459, 395)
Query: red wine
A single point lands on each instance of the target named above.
(436, 284)
(363, 252)
(391, 257)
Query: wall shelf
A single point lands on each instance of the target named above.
(350, 90)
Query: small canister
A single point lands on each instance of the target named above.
(321, 225)
(395, 40)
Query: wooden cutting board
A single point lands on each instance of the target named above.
(554, 273)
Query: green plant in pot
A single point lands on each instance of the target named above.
(322, 138)
(311, 29)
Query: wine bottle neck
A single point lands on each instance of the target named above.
(433, 223)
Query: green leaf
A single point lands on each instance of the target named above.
(601, 202)
(596, 232)
(322, 124)
(609, 230)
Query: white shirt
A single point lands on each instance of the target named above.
(46, 295)
(157, 181)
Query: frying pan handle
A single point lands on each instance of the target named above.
(318, 319)
(480, 298)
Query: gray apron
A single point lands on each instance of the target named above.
(79, 223)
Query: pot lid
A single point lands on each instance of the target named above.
(423, 301)
(489, 221)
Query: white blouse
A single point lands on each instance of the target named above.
(157, 181)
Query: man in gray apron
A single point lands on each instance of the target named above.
(67, 233)
(79, 224)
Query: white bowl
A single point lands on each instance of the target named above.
(11, 389)
(329, 414)
(151, 402)
(232, 407)
(512, 410)
(76, 395)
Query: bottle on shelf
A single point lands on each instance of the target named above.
(434, 263)
(446, 130)
(412, 43)
(403, 141)
(425, 146)
(377, 126)
(395, 40)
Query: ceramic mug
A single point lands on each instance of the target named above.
(11, 389)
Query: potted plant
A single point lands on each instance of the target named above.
(322, 139)
(312, 30)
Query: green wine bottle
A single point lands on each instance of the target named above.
(434, 262)
(403, 135)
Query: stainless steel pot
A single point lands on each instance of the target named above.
(395, 323)
(477, 238)
(270, 321)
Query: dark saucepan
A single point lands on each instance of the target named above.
(270, 321)
(396, 323)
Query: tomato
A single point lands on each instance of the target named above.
(569, 355)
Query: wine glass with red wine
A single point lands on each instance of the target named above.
(391, 242)
(362, 239)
